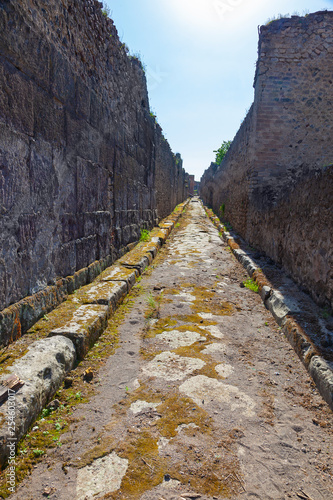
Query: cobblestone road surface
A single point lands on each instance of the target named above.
(203, 398)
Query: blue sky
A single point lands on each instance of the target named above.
(200, 60)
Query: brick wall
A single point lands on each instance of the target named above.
(275, 181)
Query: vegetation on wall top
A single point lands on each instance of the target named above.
(222, 151)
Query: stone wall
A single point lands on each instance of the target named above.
(276, 181)
(169, 172)
(81, 158)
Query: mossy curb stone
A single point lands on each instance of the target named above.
(43, 370)
(107, 293)
(86, 325)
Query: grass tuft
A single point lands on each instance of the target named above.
(252, 285)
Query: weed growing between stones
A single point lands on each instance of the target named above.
(144, 235)
(154, 305)
(151, 301)
(251, 285)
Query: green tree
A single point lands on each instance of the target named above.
(222, 151)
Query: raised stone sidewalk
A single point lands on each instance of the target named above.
(44, 367)
(286, 305)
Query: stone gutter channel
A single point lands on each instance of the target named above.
(282, 306)
(44, 367)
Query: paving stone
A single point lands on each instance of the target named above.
(276, 304)
(322, 373)
(137, 259)
(105, 473)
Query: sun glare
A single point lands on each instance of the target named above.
(208, 15)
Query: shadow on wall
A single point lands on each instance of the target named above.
(276, 179)
(81, 158)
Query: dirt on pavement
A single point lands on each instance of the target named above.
(201, 396)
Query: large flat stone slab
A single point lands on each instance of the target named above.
(43, 370)
(117, 273)
(103, 476)
(322, 373)
(136, 259)
(107, 293)
(167, 225)
(215, 392)
(162, 235)
(170, 366)
(280, 306)
(86, 325)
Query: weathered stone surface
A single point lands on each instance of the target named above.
(83, 166)
(86, 325)
(280, 306)
(42, 369)
(245, 260)
(138, 259)
(200, 387)
(10, 326)
(170, 366)
(138, 406)
(275, 183)
(167, 225)
(322, 373)
(106, 472)
(120, 274)
(108, 293)
(265, 293)
(162, 235)
(175, 339)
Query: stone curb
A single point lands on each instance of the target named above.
(19, 317)
(43, 370)
(44, 367)
(86, 325)
(319, 369)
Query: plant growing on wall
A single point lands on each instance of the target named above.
(222, 151)
(138, 57)
(106, 11)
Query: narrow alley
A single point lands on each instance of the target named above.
(195, 394)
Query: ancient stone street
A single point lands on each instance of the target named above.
(195, 393)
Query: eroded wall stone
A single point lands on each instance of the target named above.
(276, 181)
(80, 156)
